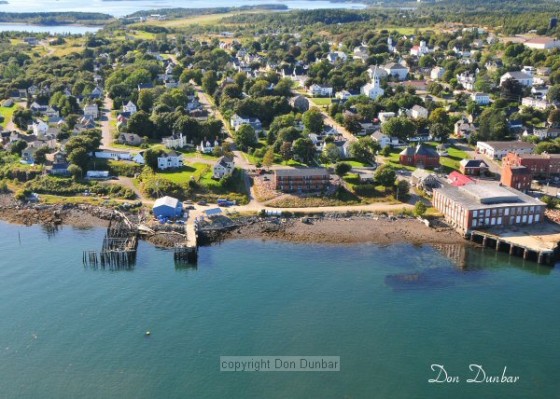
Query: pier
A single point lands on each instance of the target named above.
(118, 251)
(538, 243)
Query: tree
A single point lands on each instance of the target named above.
(79, 157)
(386, 151)
(550, 202)
(385, 175)
(420, 208)
(40, 155)
(342, 168)
(18, 146)
(268, 158)
(492, 125)
(511, 89)
(440, 131)
(245, 137)
(400, 127)
(22, 118)
(304, 150)
(75, 171)
(331, 153)
(439, 115)
(145, 100)
(210, 82)
(403, 188)
(553, 93)
(151, 158)
(286, 150)
(313, 120)
(554, 117)
(141, 124)
(364, 149)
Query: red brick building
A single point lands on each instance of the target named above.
(518, 177)
(422, 156)
(538, 165)
(301, 179)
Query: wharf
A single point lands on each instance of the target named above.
(537, 242)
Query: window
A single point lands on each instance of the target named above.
(506, 211)
(493, 212)
(524, 219)
(518, 219)
(487, 212)
(475, 214)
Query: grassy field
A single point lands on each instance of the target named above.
(7, 113)
(186, 173)
(321, 101)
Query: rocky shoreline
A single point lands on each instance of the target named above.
(79, 215)
(344, 230)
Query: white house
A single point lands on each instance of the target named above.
(139, 158)
(499, 149)
(374, 70)
(223, 167)
(320, 90)
(466, 79)
(385, 140)
(481, 98)
(385, 116)
(373, 89)
(542, 43)
(113, 154)
(437, 73)
(175, 141)
(523, 78)
(397, 71)
(131, 108)
(40, 128)
(535, 103)
(237, 121)
(418, 112)
(207, 147)
(91, 111)
(343, 95)
(336, 56)
(170, 160)
(420, 50)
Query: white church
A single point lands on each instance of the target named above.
(373, 89)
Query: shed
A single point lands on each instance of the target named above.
(167, 207)
(213, 212)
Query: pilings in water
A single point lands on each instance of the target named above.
(503, 244)
(118, 251)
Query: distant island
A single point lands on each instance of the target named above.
(176, 13)
(55, 18)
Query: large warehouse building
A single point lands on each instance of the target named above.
(479, 205)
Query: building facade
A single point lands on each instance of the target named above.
(537, 164)
(478, 206)
(518, 177)
(301, 179)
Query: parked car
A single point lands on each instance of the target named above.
(202, 202)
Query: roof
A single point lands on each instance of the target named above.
(166, 201)
(213, 212)
(508, 145)
(518, 170)
(540, 40)
(518, 75)
(458, 179)
(486, 195)
(473, 163)
(286, 172)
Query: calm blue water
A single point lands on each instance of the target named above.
(72, 332)
(126, 7)
(53, 30)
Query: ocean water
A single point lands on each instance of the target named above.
(69, 331)
(53, 30)
(126, 7)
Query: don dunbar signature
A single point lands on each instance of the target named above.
(477, 373)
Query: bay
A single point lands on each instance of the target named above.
(389, 312)
(52, 29)
(126, 7)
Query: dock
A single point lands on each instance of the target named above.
(535, 243)
(118, 251)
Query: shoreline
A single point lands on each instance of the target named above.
(350, 230)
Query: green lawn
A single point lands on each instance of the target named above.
(7, 113)
(320, 101)
(185, 174)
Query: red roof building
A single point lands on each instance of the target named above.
(457, 179)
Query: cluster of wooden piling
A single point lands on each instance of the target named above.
(118, 251)
(501, 244)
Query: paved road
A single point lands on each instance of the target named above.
(106, 131)
(492, 165)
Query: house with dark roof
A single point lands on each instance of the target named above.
(475, 167)
(419, 156)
